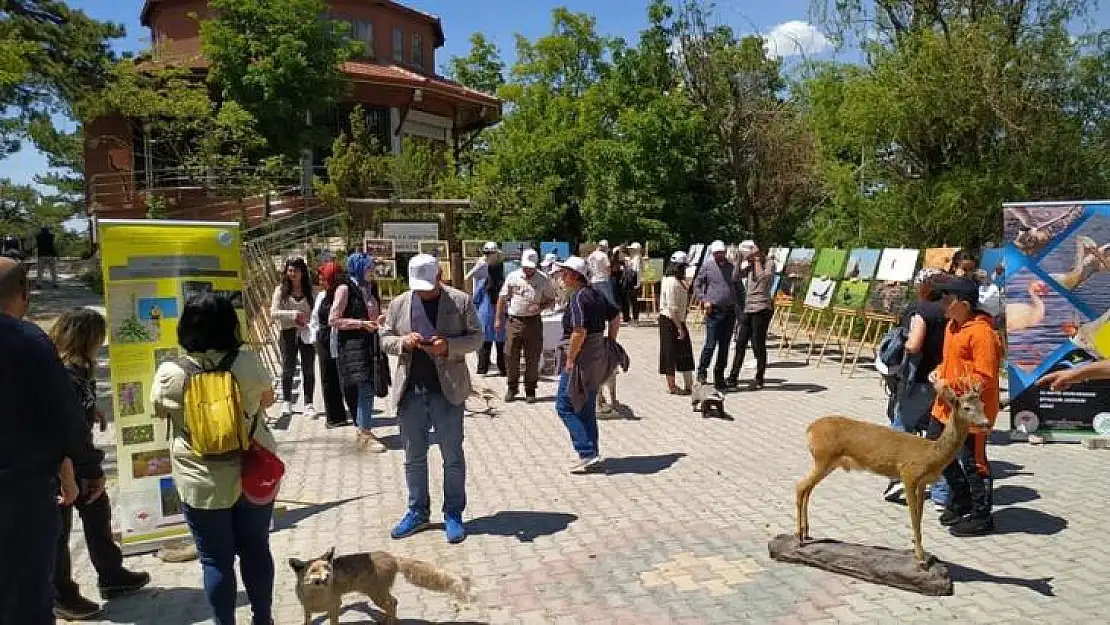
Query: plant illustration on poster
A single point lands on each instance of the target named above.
(941, 258)
(862, 264)
(1058, 302)
(830, 263)
(897, 265)
(851, 294)
(820, 293)
(887, 298)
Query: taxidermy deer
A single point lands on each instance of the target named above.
(839, 442)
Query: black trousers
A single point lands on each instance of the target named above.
(484, 357)
(969, 475)
(293, 350)
(105, 554)
(29, 526)
(630, 301)
(753, 327)
(340, 402)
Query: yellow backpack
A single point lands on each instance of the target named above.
(214, 420)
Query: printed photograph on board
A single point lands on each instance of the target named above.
(820, 293)
(385, 269)
(1080, 264)
(380, 249)
(800, 262)
(851, 294)
(778, 255)
(168, 354)
(129, 399)
(862, 264)
(830, 263)
(439, 249)
(897, 265)
(561, 249)
(137, 434)
(444, 271)
(123, 313)
(941, 258)
(1039, 320)
(150, 463)
(1031, 228)
(472, 249)
(888, 298)
(512, 250)
(192, 288)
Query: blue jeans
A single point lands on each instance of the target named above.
(365, 411)
(581, 425)
(418, 414)
(719, 324)
(29, 526)
(242, 530)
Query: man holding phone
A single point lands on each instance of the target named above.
(431, 328)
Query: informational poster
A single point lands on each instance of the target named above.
(151, 268)
(472, 249)
(1057, 306)
(887, 298)
(852, 294)
(380, 249)
(797, 271)
(407, 235)
(897, 265)
(830, 263)
(513, 250)
(862, 264)
(778, 255)
(561, 249)
(941, 258)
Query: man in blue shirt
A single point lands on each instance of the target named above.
(42, 423)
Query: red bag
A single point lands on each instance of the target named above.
(261, 472)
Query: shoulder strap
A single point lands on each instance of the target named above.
(227, 361)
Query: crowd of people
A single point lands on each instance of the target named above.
(333, 318)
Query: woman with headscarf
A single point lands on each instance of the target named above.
(487, 286)
(675, 351)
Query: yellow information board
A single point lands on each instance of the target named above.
(151, 268)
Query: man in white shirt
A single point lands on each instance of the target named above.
(525, 294)
(597, 263)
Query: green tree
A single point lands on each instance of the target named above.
(280, 61)
(481, 69)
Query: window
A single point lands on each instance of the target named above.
(399, 45)
(418, 51)
(363, 32)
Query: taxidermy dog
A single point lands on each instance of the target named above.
(708, 401)
(322, 582)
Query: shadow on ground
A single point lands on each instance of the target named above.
(290, 518)
(796, 388)
(525, 526)
(377, 616)
(961, 573)
(1000, 470)
(636, 465)
(1010, 495)
(1028, 521)
(176, 605)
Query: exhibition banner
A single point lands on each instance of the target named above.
(1057, 303)
(151, 268)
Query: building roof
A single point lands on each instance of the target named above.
(396, 75)
(148, 6)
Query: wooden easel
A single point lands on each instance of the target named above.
(780, 319)
(809, 323)
(648, 304)
(874, 328)
(840, 332)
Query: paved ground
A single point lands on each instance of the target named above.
(674, 528)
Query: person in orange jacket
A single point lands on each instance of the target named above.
(972, 355)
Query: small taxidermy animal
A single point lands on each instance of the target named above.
(708, 401)
(322, 582)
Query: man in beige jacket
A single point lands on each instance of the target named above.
(431, 328)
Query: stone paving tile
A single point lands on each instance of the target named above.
(674, 527)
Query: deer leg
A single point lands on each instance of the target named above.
(914, 501)
(802, 492)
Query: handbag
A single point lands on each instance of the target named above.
(382, 379)
(261, 472)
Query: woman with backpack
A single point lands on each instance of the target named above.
(212, 453)
(356, 345)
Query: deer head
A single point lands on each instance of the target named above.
(967, 403)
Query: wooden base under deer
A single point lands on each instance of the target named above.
(878, 565)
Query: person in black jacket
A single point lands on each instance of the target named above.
(42, 423)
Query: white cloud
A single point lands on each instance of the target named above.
(795, 38)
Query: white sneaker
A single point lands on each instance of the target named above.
(310, 411)
(583, 466)
(286, 408)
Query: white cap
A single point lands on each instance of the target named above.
(549, 259)
(678, 258)
(423, 272)
(529, 259)
(717, 246)
(575, 264)
(634, 246)
(602, 243)
(489, 248)
(747, 245)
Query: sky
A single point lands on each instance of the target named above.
(499, 20)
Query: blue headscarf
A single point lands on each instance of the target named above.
(357, 266)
